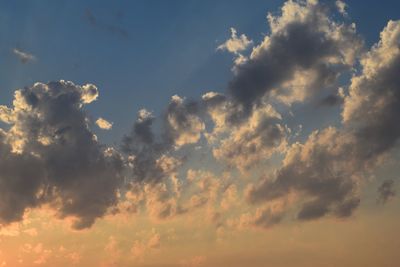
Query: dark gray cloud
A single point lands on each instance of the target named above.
(319, 172)
(51, 155)
(303, 40)
(180, 125)
(144, 150)
(182, 122)
(386, 191)
(327, 167)
(21, 178)
(152, 154)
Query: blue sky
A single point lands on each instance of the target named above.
(140, 53)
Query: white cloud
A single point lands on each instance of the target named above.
(24, 57)
(341, 6)
(104, 124)
(235, 44)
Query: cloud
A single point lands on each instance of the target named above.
(386, 191)
(50, 155)
(263, 218)
(235, 44)
(103, 124)
(249, 142)
(253, 141)
(319, 172)
(89, 93)
(24, 57)
(140, 248)
(304, 42)
(183, 125)
(325, 170)
(372, 108)
(146, 152)
(341, 6)
(161, 204)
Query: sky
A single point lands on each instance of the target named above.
(199, 133)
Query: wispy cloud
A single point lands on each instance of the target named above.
(24, 57)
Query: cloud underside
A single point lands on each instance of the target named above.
(49, 155)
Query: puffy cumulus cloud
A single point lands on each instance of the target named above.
(254, 140)
(50, 155)
(229, 197)
(386, 191)
(215, 195)
(263, 218)
(154, 183)
(144, 150)
(151, 156)
(6, 114)
(22, 178)
(89, 93)
(320, 171)
(154, 241)
(103, 124)
(325, 170)
(146, 246)
(113, 251)
(207, 187)
(200, 189)
(183, 124)
(219, 108)
(40, 253)
(372, 108)
(341, 6)
(24, 57)
(304, 40)
(235, 44)
(161, 204)
(246, 143)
